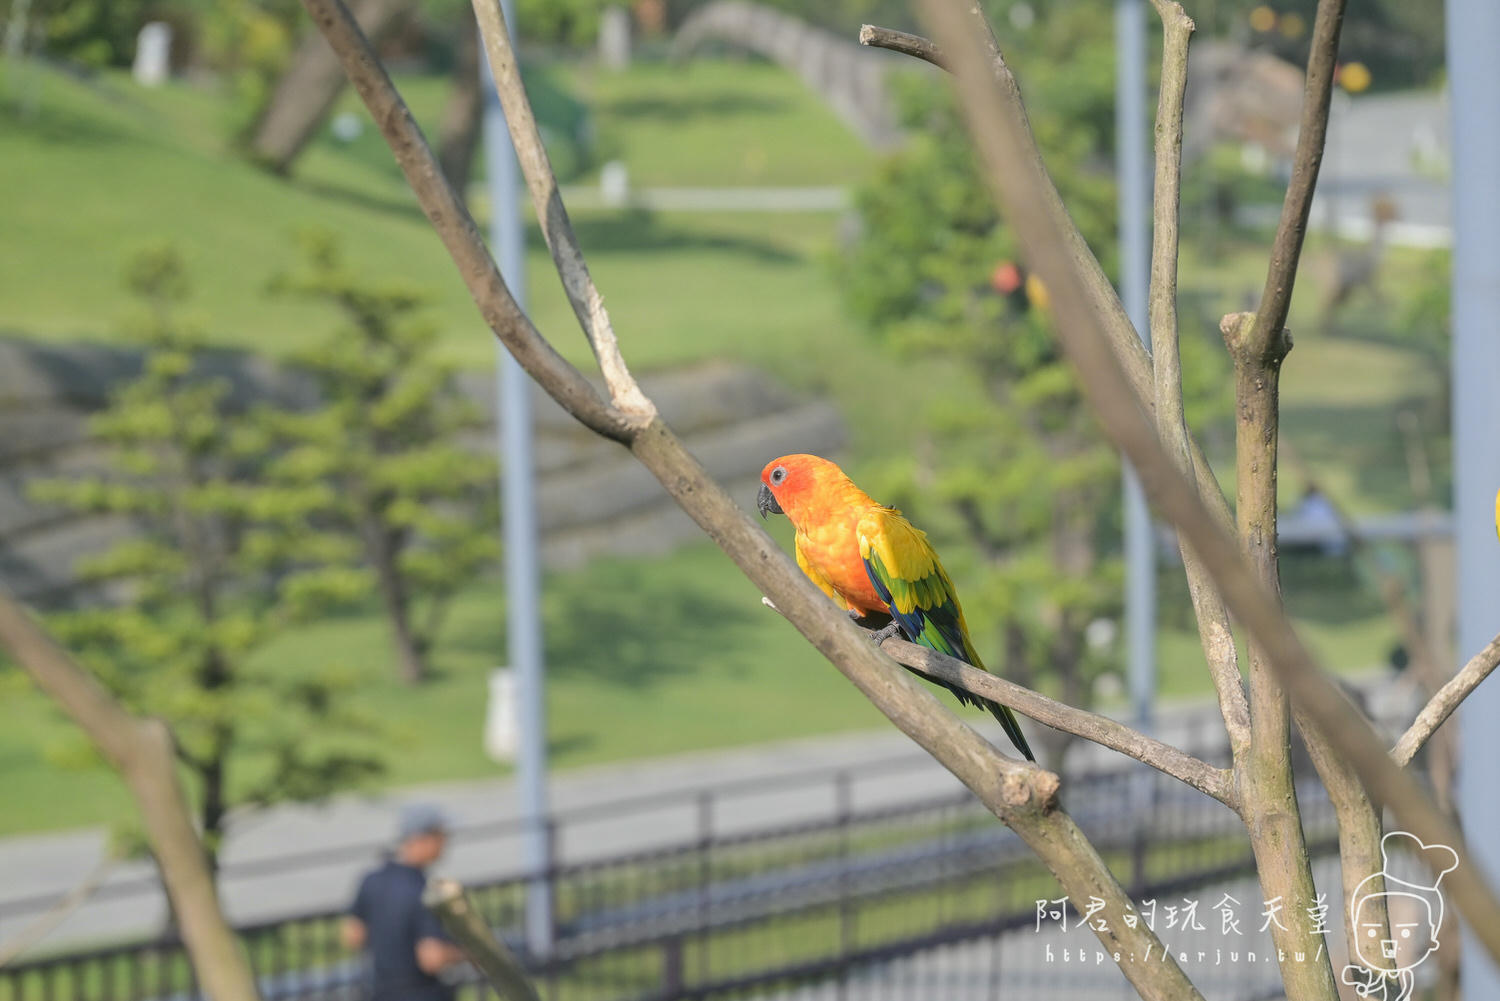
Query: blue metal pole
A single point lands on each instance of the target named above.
(1131, 158)
(1474, 81)
(518, 513)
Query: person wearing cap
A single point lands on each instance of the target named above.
(407, 946)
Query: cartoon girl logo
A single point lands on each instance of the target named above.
(1415, 910)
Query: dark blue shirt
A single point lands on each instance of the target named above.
(389, 905)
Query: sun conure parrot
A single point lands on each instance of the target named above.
(871, 560)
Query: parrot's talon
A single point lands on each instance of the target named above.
(885, 632)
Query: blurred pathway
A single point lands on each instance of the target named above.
(293, 859)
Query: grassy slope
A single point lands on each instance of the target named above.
(635, 669)
(681, 641)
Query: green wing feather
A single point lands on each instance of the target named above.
(906, 573)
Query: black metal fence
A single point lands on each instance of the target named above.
(757, 910)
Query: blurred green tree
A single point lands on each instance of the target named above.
(223, 561)
(1025, 484)
(415, 503)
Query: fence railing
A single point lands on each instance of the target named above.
(716, 914)
(752, 888)
(130, 904)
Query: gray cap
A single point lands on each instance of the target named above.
(421, 818)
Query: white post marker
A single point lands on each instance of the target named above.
(153, 54)
(501, 726)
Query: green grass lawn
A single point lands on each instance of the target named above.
(105, 167)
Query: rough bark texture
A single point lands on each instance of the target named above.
(1269, 804)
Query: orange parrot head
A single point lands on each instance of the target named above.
(796, 485)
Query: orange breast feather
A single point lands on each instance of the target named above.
(830, 544)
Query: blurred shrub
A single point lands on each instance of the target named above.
(223, 560)
(411, 507)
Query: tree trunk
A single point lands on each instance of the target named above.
(213, 810)
(141, 751)
(459, 135)
(309, 87)
(411, 649)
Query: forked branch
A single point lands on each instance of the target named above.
(1021, 795)
(567, 255)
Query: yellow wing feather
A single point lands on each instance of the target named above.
(905, 553)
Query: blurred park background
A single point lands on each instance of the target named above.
(214, 283)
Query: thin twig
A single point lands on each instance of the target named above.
(1312, 133)
(1165, 758)
(1447, 699)
(996, 128)
(1214, 631)
(588, 304)
(455, 227)
(1123, 338)
(446, 899)
(60, 910)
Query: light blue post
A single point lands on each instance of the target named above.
(1474, 82)
(518, 514)
(1131, 158)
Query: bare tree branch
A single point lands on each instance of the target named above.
(1020, 794)
(1165, 758)
(455, 227)
(64, 908)
(1272, 814)
(1095, 284)
(1214, 631)
(588, 304)
(141, 751)
(998, 128)
(901, 41)
(446, 898)
(1259, 345)
(1286, 250)
(1447, 699)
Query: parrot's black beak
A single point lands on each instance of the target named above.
(765, 502)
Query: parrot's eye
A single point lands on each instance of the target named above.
(778, 474)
